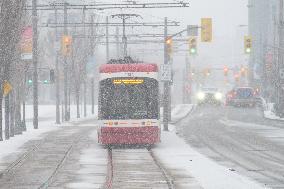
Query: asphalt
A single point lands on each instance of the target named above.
(240, 139)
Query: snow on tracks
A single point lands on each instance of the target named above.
(137, 168)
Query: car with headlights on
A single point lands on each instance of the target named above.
(209, 96)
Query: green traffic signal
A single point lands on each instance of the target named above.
(30, 81)
(248, 50)
(192, 51)
(45, 81)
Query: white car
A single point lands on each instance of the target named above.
(209, 96)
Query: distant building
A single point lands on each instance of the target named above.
(264, 29)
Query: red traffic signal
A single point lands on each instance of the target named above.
(226, 70)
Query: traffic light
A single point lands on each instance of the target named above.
(226, 70)
(248, 44)
(237, 77)
(51, 76)
(243, 71)
(207, 72)
(66, 45)
(192, 73)
(30, 81)
(192, 45)
(169, 44)
(206, 29)
(45, 81)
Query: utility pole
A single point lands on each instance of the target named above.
(124, 17)
(117, 41)
(280, 87)
(166, 83)
(124, 38)
(57, 71)
(107, 40)
(66, 112)
(92, 55)
(85, 64)
(24, 102)
(35, 57)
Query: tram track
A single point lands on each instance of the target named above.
(168, 178)
(50, 179)
(41, 160)
(116, 157)
(20, 160)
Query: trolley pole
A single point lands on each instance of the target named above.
(166, 83)
(124, 38)
(35, 57)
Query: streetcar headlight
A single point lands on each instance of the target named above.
(218, 96)
(200, 96)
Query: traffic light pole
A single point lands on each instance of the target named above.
(167, 87)
(35, 56)
(166, 104)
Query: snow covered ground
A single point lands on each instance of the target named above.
(173, 152)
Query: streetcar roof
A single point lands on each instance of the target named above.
(141, 67)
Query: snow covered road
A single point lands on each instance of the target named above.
(239, 139)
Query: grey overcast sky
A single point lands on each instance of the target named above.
(227, 15)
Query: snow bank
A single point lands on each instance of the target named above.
(269, 112)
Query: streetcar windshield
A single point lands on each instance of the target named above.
(127, 98)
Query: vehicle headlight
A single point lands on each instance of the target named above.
(218, 96)
(201, 96)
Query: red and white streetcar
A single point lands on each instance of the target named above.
(128, 103)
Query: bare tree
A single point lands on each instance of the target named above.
(10, 30)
